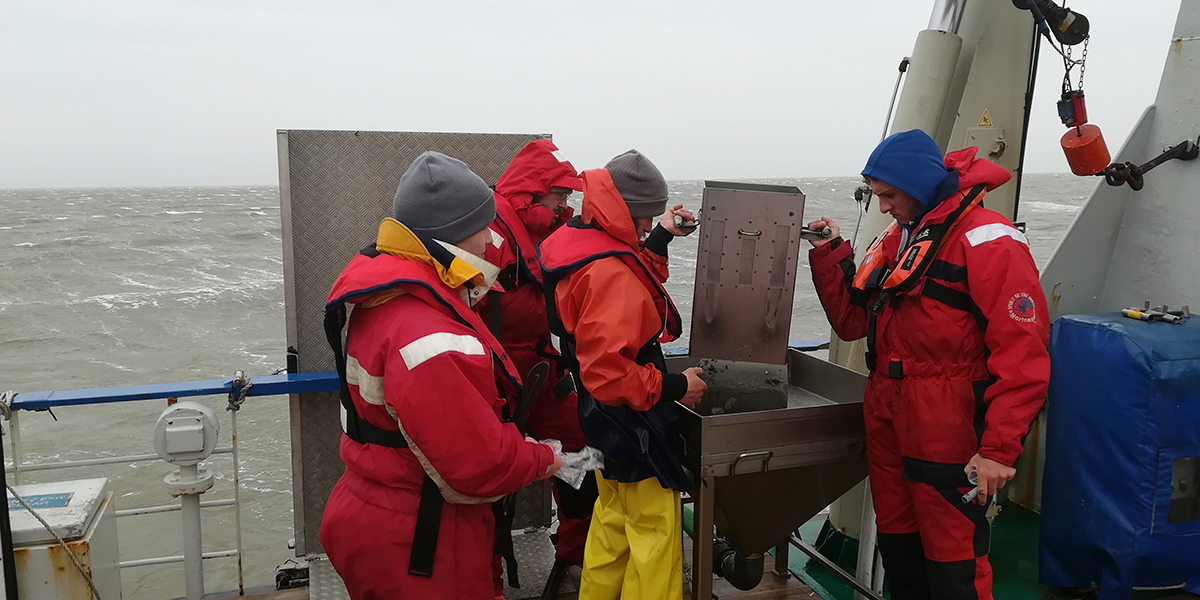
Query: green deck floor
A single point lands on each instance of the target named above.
(1014, 559)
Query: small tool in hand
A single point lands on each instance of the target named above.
(683, 225)
(973, 479)
(815, 234)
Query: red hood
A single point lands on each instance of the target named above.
(604, 207)
(535, 169)
(974, 171)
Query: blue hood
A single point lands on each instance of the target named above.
(912, 163)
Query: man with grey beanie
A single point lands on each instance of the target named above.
(422, 383)
(609, 312)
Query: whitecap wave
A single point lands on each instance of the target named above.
(1051, 207)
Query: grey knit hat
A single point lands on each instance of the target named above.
(440, 197)
(641, 184)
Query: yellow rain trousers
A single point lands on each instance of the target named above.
(634, 547)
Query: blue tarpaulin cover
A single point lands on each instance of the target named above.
(1120, 502)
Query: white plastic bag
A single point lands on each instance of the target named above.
(576, 465)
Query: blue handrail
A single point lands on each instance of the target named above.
(263, 385)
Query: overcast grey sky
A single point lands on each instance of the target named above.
(131, 92)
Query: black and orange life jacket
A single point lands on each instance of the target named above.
(881, 283)
(637, 445)
(923, 246)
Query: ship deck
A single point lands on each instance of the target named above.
(1016, 539)
(771, 588)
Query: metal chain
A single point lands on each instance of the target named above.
(1067, 65)
(1083, 60)
(75, 561)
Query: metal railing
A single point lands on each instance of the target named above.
(236, 388)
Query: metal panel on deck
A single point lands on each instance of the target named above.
(746, 271)
(334, 188)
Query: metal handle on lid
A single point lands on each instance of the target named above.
(765, 455)
(755, 233)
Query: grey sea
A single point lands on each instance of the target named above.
(131, 286)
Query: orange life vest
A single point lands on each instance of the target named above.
(910, 267)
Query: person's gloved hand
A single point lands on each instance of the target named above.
(556, 447)
(553, 467)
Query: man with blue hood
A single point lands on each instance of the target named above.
(949, 301)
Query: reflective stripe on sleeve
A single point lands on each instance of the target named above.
(994, 231)
(369, 386)
(423, 349)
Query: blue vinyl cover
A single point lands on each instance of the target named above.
(1124, 402)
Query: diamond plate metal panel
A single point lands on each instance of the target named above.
(535, 558)
(335, 187)
(533, 506)
(323, 582)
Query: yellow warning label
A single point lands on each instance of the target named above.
(986, 119)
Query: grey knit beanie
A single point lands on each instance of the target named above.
(440, 197)
(641, 184)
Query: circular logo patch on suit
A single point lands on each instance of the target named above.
(1020, 308)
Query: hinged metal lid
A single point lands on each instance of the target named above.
(67, 506)
(746, 271)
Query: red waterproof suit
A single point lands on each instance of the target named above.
(516, 314)
(959, 367)
(419, 360)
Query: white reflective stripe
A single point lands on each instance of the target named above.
(425, 348)
(448, 493)
(994, 231)
(497, 239)
(554, 343)
(369, 386)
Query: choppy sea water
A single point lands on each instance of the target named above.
(130, 286)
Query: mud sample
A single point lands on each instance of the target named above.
(736, 386)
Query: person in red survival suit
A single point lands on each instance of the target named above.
(531, 201)
(423, 381)
(608, 312)
(949, 301)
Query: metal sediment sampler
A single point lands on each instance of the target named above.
(779, 434)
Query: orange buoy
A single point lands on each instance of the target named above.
(1085, 149)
